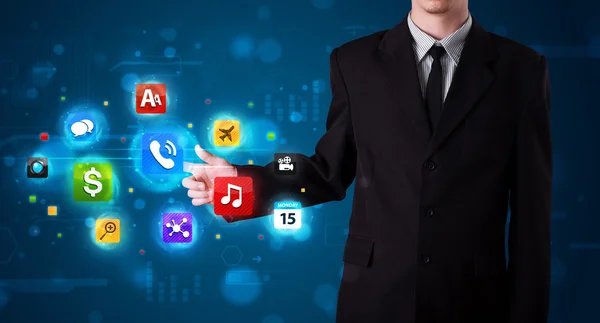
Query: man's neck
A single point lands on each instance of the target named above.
(439, 26)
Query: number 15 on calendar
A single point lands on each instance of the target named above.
(287, 215)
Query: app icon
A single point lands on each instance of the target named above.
(233, 196)
(151, 98)
(161, 154)
(82, 127)
(227, 133)
(92, 182)
(177, 227)
(37, 167)
(287, 215)
(285, 164)
(108, 230)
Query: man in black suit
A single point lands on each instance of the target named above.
(443, 125)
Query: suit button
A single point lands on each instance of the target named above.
(425, 259)
(430, 213)
(429, 165)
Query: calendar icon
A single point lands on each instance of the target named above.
(287, 215)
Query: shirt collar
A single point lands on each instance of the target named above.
(453, 43)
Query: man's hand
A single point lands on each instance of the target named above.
(200, 184)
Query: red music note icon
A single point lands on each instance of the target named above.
(233, 196)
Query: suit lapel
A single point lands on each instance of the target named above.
(472, 79)
(398, 63)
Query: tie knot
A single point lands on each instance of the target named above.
(436, 52)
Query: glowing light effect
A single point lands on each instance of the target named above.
(78, 113)
(125, 236)
(88, 207)
(176, 248)
(161, 182)
(55, 152)
(301, 234)
(252, 141)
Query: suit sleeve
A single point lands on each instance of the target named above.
(326, 175)
(530, 203)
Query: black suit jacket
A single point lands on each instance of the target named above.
(427, 232)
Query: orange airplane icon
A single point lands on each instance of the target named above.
(227, 133)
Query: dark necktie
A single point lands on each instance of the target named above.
(434, 96)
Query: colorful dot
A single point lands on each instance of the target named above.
(270, 136)
(32, 198)
(131, 190)
(105, 103)
(217, 236)
(123, 139)
(63, 98)
(207, 101)
(190, 125)
(59, 235)
(250, 162)
(302, 190)
(52, 210)
(250, 104)
(260, 237)
(142, 251)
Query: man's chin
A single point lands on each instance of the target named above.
(437, 10)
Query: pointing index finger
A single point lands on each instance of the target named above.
(206, 156)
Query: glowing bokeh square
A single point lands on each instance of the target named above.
(303, 190)
(105, 103)
(63, 98)
(131, 190)
(190, 125)
(217, 236)
(226, 133)
(250, 162)
(32, 198)
(271, 136)
(52, 210)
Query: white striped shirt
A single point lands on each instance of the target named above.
(453, 44)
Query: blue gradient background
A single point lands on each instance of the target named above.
(266, 64)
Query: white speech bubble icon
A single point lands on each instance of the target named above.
(89, 124)
(79, 128)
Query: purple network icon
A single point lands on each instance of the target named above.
(177, 227)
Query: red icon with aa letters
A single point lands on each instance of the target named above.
(151, 98)
(233, 196)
